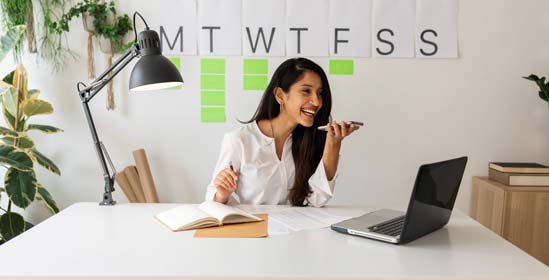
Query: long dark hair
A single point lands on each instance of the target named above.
(307, 142)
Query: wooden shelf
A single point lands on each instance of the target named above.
(518, 214)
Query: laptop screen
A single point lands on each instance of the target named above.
(433, 197)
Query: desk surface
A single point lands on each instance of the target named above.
(126, 240)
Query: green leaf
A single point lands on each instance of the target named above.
(33, 93)
(9, 99)
(32, 107)
(532, 77)
(48, 199)
(44, 161)
(23, 142)
(7, 131)
(11, 225)
(9, 77)
(9, 118)
(9, 40)
(21, 187)
(28, 225)
(44, 128)
(543, 96)
(4, 86)
(10, 156)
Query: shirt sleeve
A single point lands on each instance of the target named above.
(322, 189)
(230, 152)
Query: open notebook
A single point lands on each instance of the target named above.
(207, 214)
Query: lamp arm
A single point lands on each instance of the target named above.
(86, 94)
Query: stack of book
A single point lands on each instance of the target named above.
(519, 173)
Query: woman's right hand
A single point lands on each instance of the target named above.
(225, 182)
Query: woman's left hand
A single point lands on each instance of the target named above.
(337, 132)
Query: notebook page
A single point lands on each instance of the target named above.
(181, 216)
(220, 210)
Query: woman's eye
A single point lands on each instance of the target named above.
(306, 91)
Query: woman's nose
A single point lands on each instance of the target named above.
(315, 100)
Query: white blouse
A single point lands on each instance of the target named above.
(263, 178)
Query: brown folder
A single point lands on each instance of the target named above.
(126, 187)
(145, 176)
(133, 178)
(242, 230)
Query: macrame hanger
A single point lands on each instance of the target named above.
(110, 93)
(88, 26)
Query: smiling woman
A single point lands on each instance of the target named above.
(279, 156)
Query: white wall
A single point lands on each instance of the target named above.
(416, 111)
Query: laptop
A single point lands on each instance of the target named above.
(435, 191)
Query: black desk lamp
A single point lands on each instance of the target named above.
(152, 72)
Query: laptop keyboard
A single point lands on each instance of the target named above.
(391, 227)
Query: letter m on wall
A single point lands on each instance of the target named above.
(177, 40)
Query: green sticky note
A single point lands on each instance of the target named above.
(212, 66)
(256, 66)
(177, 62)
(255, 82)
(212, 114)
(212, 98)
(341, 67)
(212, 82)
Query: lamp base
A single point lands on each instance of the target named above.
(107, 200)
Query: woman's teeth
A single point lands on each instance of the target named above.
(308, 112)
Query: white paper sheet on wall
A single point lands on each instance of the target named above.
(436, 29)
(175, 22)
(263, 27)
(219, 27)
(350, 28)
(393, 31)
(307, 28)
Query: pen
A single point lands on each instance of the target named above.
(232, 168)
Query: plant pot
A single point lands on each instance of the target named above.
(105, 45)
(87, 20)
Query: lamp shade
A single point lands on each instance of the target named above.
(153, 71)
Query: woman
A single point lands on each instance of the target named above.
(280, 156)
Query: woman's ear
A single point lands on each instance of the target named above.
(279, 95)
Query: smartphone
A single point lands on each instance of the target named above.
(325, 127)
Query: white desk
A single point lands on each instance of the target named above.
(87, 240)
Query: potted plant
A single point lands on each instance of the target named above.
(542, 85)
(105, 22)
(18, 152)
(19, 12)
(109, 29)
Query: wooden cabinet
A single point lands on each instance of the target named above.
(518, 214)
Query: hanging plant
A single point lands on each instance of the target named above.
(107, 26)
(53, 48)
(113, 31)
(19, 12)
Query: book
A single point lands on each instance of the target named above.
(243, 230)
(519, 167)
(207, 214)
(519, 179)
